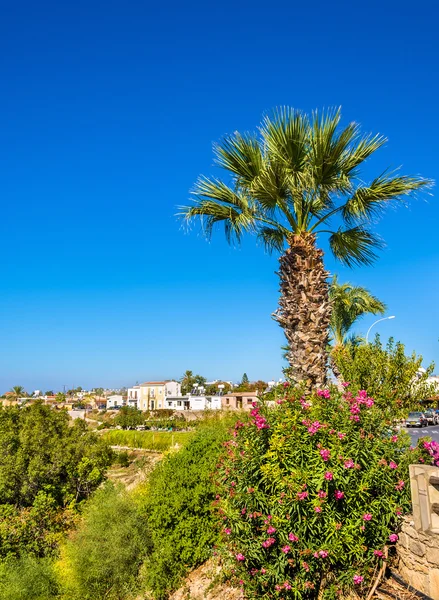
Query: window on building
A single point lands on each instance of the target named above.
(227, 401)
(179, 403)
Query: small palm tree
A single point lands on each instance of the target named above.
(289, 182)
(349, 303)
(17, 392)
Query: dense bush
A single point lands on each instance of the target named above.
(177, 504)
(129, 417)
(37, 530)
(103, 557)
(386, 372)
(42, 452)
(28, 578)
(310, 493)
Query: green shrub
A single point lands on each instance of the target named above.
(177, 504)
(28, 578)
(388, 375)
(37, 530)
(105, 553)
(309, 493)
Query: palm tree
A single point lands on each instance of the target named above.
(16, 393)
(187, 381)
(349, 303)
(288, 183)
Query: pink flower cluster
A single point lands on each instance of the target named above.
(325, 454)
(338, 495)
(302, 495)
(239, 557)
(321, 554)
(399, 486)
(268, 542)
(367, 517)
(329, 476)
(314, 427)
(293, 538)
(271, 530)
(304, 404)
(324, 394)
(258, 419)
(433, 450)
(393, 538)
(358, 579)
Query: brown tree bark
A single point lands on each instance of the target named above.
(304, 309)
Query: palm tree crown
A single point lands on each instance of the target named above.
(296, 175)
(349, 303)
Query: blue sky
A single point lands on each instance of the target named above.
(108, 112)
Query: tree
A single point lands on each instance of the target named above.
(16, 393)
(393, 378)
(187, 381)
(129, 417)
(44, 452)
(286, 185)
(244, 380)
(349, 304)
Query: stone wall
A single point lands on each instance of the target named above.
(418, 556)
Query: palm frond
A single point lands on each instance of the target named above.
(215, 202)
(370, 200)
(273, 238)
(350, 303)
(354, 246)
(363, 147)
(285, 136)
(241, 155)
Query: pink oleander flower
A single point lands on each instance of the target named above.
(392, 465)
(243, 511)
(286, 549)
(378, 553)
(338, 494)
(349, 464)
(393, 538)
(394, 438)
(399, 486)
(287, 586)
(358, 579)
(271, 530)
(305, 565)
(227, 531)
(317, 509)
(263, 571)
(341, 435)
(367, 517)
(345, 384)
(314, 427)
(239, 557)
(302, 495)
(324, 394)
(355, 418)
(329, 476)
(323, 553)
(316, 555)
(325, 454)
(322, 494)
(293, 538)
(268, 542)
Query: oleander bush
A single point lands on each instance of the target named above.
(310, 493)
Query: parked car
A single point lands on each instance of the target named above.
(416, 419)
(432, 417)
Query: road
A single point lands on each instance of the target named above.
(418, 432)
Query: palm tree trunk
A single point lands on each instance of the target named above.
(304, 309)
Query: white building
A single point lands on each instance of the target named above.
(193, 402)
(115, 400)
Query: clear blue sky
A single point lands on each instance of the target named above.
(108, 112)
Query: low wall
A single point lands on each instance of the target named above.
(418, 555)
